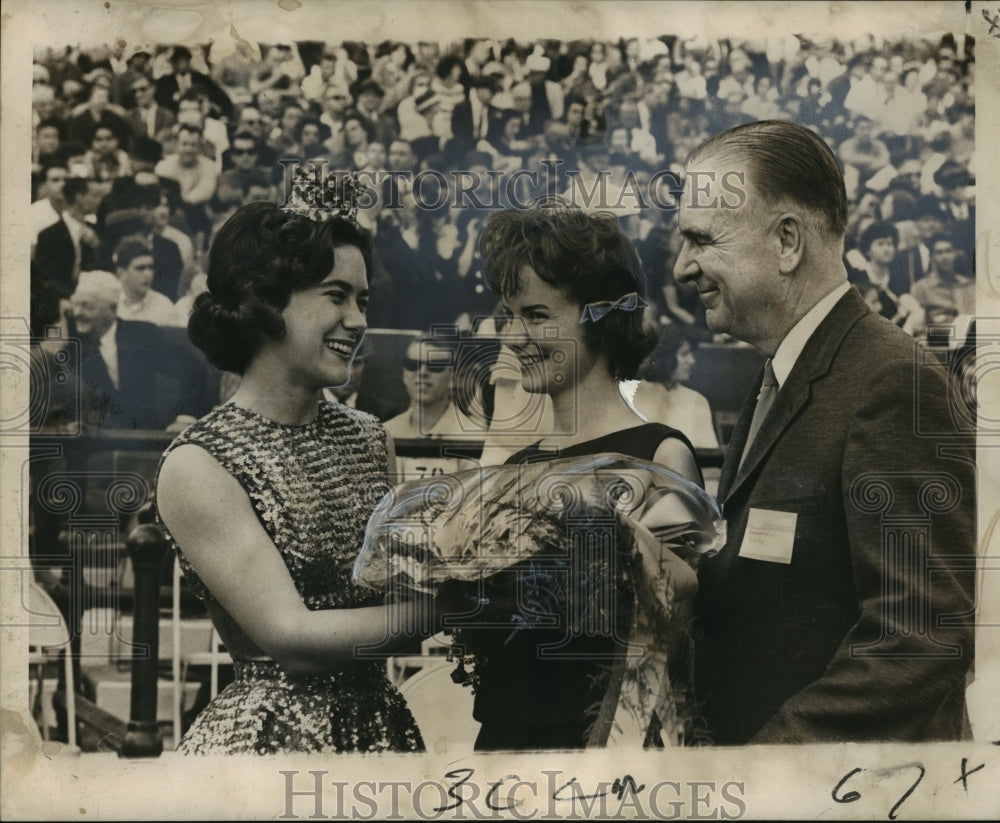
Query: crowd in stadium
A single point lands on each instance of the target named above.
(139, 155)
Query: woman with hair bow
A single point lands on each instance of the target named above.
(548, 636)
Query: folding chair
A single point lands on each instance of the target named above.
(48, 636)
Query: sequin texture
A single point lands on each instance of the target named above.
(313, 488)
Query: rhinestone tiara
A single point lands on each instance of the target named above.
(319, 195)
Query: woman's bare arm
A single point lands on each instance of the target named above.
(212, 519)
(674, 455)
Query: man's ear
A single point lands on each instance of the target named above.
(792, 238)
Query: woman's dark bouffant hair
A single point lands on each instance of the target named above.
(258, 258)
(880, 229)
(583, 254)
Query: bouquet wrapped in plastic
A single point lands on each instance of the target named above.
(474, 525)
(477, 522)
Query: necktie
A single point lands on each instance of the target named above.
(765, 400)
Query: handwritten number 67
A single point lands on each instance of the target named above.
(852, 796)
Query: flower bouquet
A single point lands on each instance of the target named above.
(548, 543)
(474, 523)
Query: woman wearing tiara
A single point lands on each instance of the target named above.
(573, 292)
(265, 499)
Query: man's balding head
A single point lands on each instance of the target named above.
(785, 162)
(763, 215)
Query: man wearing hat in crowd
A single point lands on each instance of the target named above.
(416, 112)
(136, 66)
(960, 214)
(120, 360)
(171, 87)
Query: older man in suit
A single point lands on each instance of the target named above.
(123, 363)
(841, 606)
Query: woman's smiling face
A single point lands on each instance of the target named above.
(325, 323)
(546, 335)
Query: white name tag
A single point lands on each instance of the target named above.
(769, 536)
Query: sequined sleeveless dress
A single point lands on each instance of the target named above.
(312, 488)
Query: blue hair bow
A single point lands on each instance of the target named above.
(627, 302)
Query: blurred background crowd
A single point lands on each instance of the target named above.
(139, 155)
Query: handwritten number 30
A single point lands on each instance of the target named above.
(851, 796)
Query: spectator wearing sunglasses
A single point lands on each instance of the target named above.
(241, 162)
(148, 118)
(243, 154)
(428, 375)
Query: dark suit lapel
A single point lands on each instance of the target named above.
(62, 242)
(98, 388)
(127, 342)
(812, 363)
(56, 257)
(65, 237)
(122, 398)
(738, 439)
(88, 257)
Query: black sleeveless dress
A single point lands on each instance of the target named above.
(542, 688)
